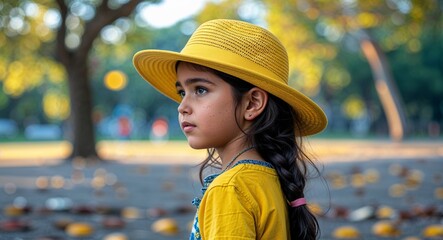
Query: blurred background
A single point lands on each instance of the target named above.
(374, 66)
(69, 91)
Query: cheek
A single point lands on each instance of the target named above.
(219, 116)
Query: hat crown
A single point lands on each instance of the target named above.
(246, 40)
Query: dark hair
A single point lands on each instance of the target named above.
(275, 135)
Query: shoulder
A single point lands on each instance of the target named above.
(248, 182)
(246, 195)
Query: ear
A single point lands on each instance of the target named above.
(255, 102)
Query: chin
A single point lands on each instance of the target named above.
(196, 145)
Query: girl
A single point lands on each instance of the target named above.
(231, 80)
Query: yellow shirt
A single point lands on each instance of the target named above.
(245, 202)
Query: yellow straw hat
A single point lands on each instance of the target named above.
(240, 49)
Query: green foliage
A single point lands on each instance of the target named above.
(326, 62)
(138, 93)
(409, 32)
(420, 78)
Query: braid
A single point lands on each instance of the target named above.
(278, 145)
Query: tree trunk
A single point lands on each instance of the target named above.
(386, 89)
(82, 133)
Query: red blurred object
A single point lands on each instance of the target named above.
(83, 210)
(156, 212)
(113, 222)
(124, 127)
(14, 225)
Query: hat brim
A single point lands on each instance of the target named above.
(158, 68)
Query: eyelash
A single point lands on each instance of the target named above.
(197, 89)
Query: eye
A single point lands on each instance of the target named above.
(181, 93)
(200, 90)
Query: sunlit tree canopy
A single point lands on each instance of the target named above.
(323, 39)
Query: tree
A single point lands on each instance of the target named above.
(76, 64)
(386, 88)
(76, 24)
(25, 62)
(378, 26)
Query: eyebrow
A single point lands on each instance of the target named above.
(190, 81)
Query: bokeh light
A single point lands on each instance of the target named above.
(367, 20)
(337, 78)
(160, 128)
(115, 80)
(354, 107)
(112, 35)
(56, 106)
(52, 18)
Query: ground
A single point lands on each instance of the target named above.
(147, 182)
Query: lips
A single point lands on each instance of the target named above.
(187, 127)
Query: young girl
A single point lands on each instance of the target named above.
(231, 80)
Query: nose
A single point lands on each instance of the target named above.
(183, 107)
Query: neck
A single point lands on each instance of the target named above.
(235, 158)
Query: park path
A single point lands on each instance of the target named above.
(178, 152)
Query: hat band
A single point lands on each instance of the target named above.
(226, 61)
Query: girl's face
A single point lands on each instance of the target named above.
(206, 113)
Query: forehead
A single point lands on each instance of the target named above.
(194, 66)
(188, 73)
